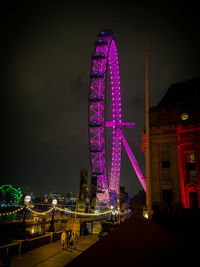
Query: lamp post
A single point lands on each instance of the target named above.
(51, 227)
(27, 200)
(148, 174)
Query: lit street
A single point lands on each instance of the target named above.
(52, 254)
(136, 242)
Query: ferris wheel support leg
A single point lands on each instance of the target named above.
(134, 162)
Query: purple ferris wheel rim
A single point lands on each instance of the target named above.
(104, 62)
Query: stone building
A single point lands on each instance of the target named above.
(175, 148)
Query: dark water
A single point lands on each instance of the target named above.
(42, 228)
(11, 231)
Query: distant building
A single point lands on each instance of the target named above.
(83, 190)
(138, 202)
(175, 148)
(62, 198)
(123, 199)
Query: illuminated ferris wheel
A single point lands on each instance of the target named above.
(104, 68)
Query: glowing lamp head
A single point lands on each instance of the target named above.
(184, 116)
(54, 201)
(27, 199)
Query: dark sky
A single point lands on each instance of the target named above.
(45, 63)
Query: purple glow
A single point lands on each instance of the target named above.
(134, 162)
(105, 52)
(116, 102)
(96, 118)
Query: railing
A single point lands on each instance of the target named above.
(22, 246)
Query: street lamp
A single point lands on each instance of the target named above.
(51, 227)
(27, 200)
(54, 202)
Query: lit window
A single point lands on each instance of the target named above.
(190, 176)
(190, 158)
(184, 116)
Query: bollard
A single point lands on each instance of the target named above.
(20, 249)
(51, 237)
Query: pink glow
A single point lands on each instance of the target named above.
(134, 162)
(105, 52)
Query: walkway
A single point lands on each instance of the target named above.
(51, 255)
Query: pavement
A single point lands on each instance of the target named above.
(138, 242)
(52, 255)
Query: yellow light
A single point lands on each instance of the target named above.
(32, 231)
(184, 116)
(27, 199)
(40, 213)
(54, 201)
(146, 216)
(84, 214)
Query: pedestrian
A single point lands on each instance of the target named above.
(63, 239)
(72, 240)
(75, 240)
(99, 235)
(68, 238)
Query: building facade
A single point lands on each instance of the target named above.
(175, 148)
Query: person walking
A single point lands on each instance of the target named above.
(99, 235)
(63, 239)
(69, 232)
(75, 240)
(72, 240)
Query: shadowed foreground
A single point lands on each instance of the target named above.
(137, 242)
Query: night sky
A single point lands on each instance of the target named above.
(45, 63)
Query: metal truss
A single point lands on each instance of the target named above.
(105, 62)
